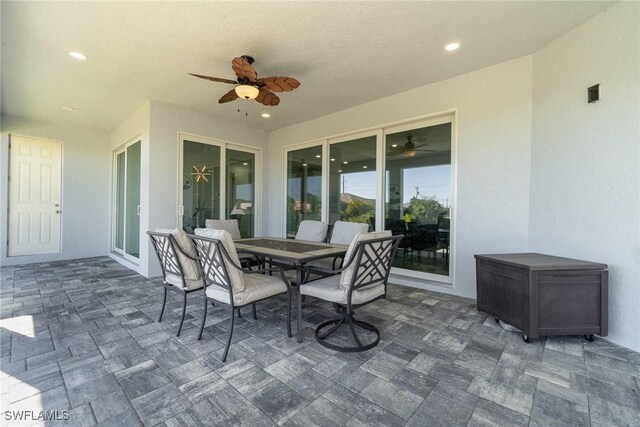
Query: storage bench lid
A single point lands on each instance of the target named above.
(535, 261)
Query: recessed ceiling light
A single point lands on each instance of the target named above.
(78, 55)
(452, 46)
(69, 109)
(318, 156)
(333, 160)
(266, 115)
(339, 170)
(364, 167)
(304, 164)
(394, 145)
(245, 164)
(345, 163)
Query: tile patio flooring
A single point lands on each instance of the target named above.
(81, 336)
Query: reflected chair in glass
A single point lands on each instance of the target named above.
(363, 280)
(178, 261)
(227, 282)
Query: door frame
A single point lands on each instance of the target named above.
(114, 196)
(61, 232)
(224, 145)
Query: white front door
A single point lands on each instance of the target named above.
(34, 196)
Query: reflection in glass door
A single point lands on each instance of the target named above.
(418, 197)
(304, 187)
(126, 239)
(240, 190)
(201, 169)
(353, 181)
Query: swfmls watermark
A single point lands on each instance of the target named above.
(36, 415)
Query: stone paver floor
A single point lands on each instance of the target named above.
(82, 336)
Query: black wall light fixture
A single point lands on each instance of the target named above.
(593, 93)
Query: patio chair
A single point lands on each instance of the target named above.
(180, 270)
(231, 225)
(227, 282)
(313, 231)
(343, 233)
(363, 280)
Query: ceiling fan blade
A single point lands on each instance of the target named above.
(228, 97)
(243, 69)
(418, 146)
(268, 98)
(279, 84)
(214, 79)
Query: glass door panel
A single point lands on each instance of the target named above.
(200, 184)
(240, 190)
(304, 187)
(353, 181)
(418, 197)
(120, 197)
(126, 225)
(132, 246)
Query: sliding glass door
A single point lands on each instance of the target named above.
(201, 176)
(304, 186)
(126, 224)
(418, 196)
(352, 181)
(398, 178)
(218, 182)
(241, 196)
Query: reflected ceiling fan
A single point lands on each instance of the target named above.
(249, 86)
(408, 149)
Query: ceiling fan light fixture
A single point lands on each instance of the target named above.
(247, 91)
(410, 153)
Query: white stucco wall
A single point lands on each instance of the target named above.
(85, 188)
(585, 181)
(493, 114)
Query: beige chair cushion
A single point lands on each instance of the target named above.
(230, 225)
(344, 232)
(235, 275)
(257, 287)
(313, 231)
(329, 289)
(189, 266)
(175, 280)
(347, 273)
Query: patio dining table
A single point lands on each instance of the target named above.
(298, 253)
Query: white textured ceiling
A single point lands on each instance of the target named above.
(343, 53)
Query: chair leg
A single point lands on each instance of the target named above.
(239, 314)
(289, 313)
(226, 349)
(204, 318)
(212, 304)
(164, 302)
(255, 314)
(353, 330)
(184, 311)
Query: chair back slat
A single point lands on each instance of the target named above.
(165, 246)
(211, 253)
(373, 260)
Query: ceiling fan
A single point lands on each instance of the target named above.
(408, 149)
(249, 86)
